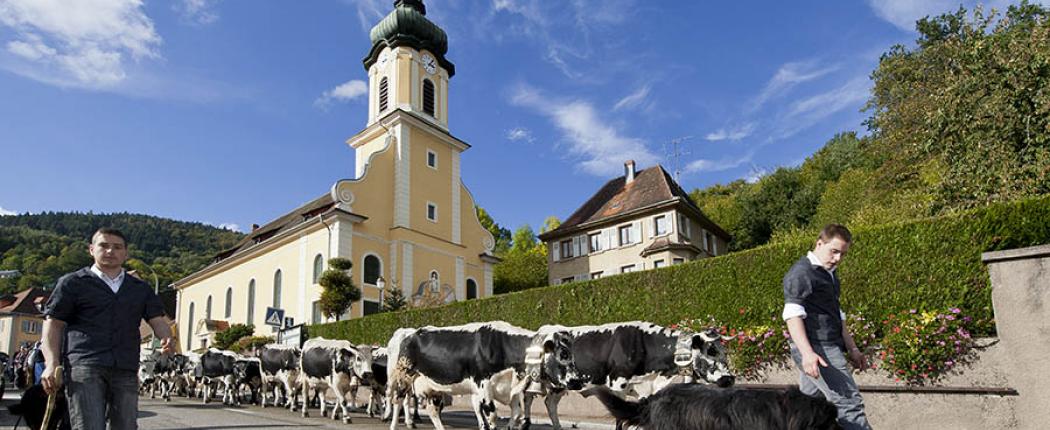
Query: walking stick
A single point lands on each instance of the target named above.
(51, 399)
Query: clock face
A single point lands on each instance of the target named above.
(429, 63)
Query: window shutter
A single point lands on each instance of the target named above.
(636, 232)
(577, 249)
(556, 250)
(585, 244)
(607, 240)
(703, 233)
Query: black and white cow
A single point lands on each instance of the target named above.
(216, 368)
(247, 373)
(487, 361)
(167, 372)
(332, 364)
(699, 407)
(280, 367)
(377, 389)
(638, 359)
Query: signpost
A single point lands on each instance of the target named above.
(275, 317)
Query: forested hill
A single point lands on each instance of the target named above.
(958, 120)
(44, 246)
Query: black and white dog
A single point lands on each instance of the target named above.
(700, 407)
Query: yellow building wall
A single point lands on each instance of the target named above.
(12, 335)
(431, 185)
(294, 257)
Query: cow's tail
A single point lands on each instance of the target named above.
(625, 411)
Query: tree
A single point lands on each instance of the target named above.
(224, 339)
(524, 266)
(552, 222)
(339, 289)
(500, 234)
(393, 298)
(972, 99)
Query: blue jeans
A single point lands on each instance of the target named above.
(96, 393)
(835, 383)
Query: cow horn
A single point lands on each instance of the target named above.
(707, 337)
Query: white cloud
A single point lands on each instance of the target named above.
(804, 113)
(84, 43)
(600, 146)
(633, 99)
(200, 12)
(731, 134)
(346, 91)
(725, 163)
(520, 133)
(755, 174)
(230, 226)
(787, 76)
(904, 13)
(4, 212)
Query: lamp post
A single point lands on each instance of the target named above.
(381, 283)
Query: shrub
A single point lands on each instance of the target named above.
(249, 343)
(227, 337)
(922, 347)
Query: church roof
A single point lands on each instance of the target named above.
(618, 199)
(407, 25)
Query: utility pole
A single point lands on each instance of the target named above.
(675, 154)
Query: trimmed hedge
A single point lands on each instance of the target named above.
(930, 264)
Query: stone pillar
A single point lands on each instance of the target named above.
(1021, 301)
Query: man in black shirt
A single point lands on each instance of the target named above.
(818, 331)
(96, 311)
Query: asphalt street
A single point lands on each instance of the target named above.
(182, 413)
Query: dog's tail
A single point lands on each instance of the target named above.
(625, 411)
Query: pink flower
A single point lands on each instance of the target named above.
(955, 310)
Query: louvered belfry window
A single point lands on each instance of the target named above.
(382, 94)
(428, 97)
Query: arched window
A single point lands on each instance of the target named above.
(251, 302)
(189, 330)
(472, 289)
(318, 267)
(428, 97)
(382, 94)
(373, 269)
(277, 289)
(229, 302)
(207, 309)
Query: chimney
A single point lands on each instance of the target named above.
(628, 168)
(255, 227)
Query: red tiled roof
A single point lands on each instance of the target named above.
(651, 187)
(24, 301)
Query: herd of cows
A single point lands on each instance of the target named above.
(489, 362)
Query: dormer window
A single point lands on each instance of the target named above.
(383, 94)
(428, 97)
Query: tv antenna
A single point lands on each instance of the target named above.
(675, 154)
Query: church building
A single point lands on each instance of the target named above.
(405, 220)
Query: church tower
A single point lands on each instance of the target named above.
(408, 81)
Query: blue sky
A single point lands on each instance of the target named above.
(233, 112)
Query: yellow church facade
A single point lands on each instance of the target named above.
(406, 219)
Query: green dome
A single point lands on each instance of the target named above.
(407, 25)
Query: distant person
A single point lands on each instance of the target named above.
(97, 310)
(18, 364)
(820, 340)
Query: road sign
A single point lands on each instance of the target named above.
(274, 316)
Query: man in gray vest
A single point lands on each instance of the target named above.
(96, 311)
(820, 340)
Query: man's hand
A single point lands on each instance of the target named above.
(810, 363)
(48, 380)
(167, 346)
(857, 359)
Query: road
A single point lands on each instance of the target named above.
(181, 413)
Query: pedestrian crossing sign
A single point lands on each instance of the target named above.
(274, 317)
